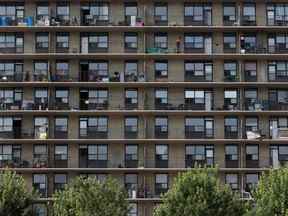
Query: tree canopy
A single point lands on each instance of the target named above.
(271, 194)
(199, 193)
(89, 197)
(15, 198)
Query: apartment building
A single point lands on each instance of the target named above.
(142, 90)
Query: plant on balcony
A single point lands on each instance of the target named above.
(200, 193)
(88, 196)
(15, 199)
(271, 194)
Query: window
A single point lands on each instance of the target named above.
(15, 11)
(61, 152)
(60, 180)
(278, 71)
(97, 152)
(250, 99)
(61, 99)
(131, 127)
(93, 42)
(41, 127)
(11, 42)
(229, 40)
(193, 42)
(131, 41)
(251, 181)
(94, 71)
(278, 43)
(62, 41)
(197, 14)
(161, 152)
(6, 124)
(199, 127)
(131, 98)
(93, 156)
(42, 41)
(161, 69)
(41, 71)
(62, 70)
(161, 40)
(10, 98)
(277, 14)
(92, 99)
(161, 98)
(131, 184)
(161, 13)
(10, 154)
(231, 99)
(229, 14)
(232, 181)
(133, 209)
(276, 124)
(95, 13)
(161, 127)
(11, 71)
(94, 127)
(249, 14)
(161, 184)
(131, 152)
(63, 13)
(198, 71)
(248, 43)
(194, 96)
(250, 71)
(40, 184)
(131, 71)
(41, 98)
(231, 156)
(231, 127)
(199, 155)
(230, 71)
(61, 127)
(40, 156)
(130, 10)
(278, 155)
(251, 124)
(42, 13)
(252, 156)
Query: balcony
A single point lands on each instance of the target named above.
(14, 77)
(231, 132)
(196, 161)
(161, 132)
(196, 132)
(231, 161)
(130, 132)
(14, 163)
(93, 133)
(278, 48)
(40, 161)
(131, 163)
(248, 20)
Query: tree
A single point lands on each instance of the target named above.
(15, 199)
(89, 197)
(199, 193)
(271, 194)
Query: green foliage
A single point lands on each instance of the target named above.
(89, 197)
(200, 193)
(271, 194)
(15, 199)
